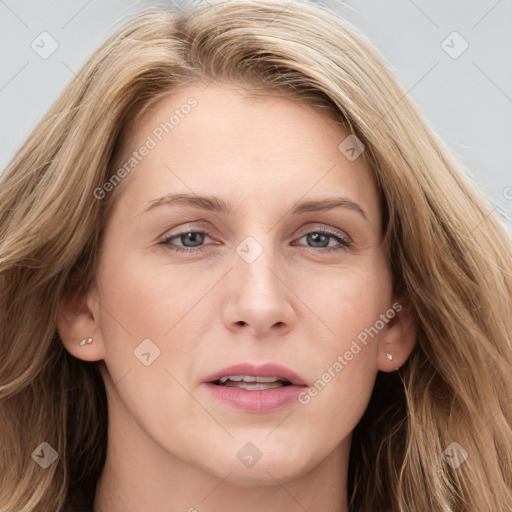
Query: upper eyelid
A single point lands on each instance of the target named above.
(208, 231)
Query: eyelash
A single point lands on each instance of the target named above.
(344, 243)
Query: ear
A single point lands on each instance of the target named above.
(78, 318)
(398, 338)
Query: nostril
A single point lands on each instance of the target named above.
(241, 322)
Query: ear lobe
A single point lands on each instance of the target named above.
(76, 321)
(398, 338)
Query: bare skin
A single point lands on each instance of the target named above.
(172, 445)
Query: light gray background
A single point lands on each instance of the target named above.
(468, 99)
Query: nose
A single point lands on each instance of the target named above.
(259, 298)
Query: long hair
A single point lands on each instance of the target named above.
(447, 252)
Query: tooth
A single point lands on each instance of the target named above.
(249, 378)
(236, 378)
(267, 379)
(261, 386)
(252, 386)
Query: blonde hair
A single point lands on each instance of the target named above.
(447, 253)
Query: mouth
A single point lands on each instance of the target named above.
(251, 383)
(256, 389)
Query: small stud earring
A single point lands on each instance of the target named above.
(85, 341)
(390, 357)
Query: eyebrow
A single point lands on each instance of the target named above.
(217, 205)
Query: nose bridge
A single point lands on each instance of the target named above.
(255, 258)
(258, 297)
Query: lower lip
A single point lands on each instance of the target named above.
(262, 400)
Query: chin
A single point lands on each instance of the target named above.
(271, 466)
(264, 475)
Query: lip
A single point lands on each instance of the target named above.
(264, 400)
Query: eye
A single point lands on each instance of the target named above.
(192, 241)
(321, 241)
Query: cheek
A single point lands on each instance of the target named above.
(172, 309)
(349, 306)
(346, 300)
(152, 300)
(155, 310)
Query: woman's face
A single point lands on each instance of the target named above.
(269, 254)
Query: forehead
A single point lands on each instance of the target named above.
(218, 140)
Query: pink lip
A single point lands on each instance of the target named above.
(264, 400)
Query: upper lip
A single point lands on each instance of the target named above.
(264, 370)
